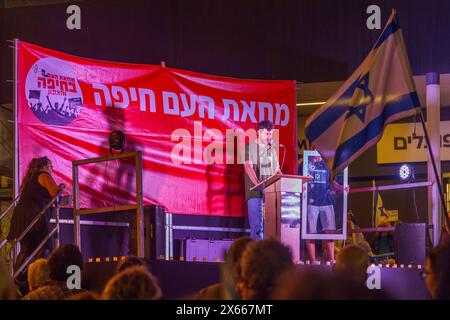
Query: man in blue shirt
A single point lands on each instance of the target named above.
(320, 206)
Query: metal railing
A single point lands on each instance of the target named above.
(11, 205)
(14, 242)
(3, 214)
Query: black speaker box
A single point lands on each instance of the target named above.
(410, 241)
(154, 232)
(109, 240)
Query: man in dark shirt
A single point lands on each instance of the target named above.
(320, 205)
(261, 162)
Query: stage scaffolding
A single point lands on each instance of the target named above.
(138, 206)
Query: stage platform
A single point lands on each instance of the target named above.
(179, 279)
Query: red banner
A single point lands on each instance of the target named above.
(180, 120)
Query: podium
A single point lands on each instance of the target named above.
(282, 218)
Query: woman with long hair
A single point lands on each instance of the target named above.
(32, 167)
(36, 191)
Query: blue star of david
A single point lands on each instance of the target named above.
(383, 212)
(360, 109)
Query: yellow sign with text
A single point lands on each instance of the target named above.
(405, 142)
(392, 215)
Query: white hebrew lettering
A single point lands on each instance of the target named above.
(278, 120)
(265, 106)
(188, 106)
(101, 95)
(133, 94)
(205, 102)
(226, 109)
(120, 96)
(143, 101)
(248, 110)
(171, 108)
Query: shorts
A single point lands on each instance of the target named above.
(326, 215)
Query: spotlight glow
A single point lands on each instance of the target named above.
(404, 172)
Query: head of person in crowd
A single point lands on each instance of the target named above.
(38, 274)
(263, 264)
(352, 262)
(131, 261)
(86, 295)
(436, 273)
(366, 246)
(317, 284)
(230, 274)
(59, 260)
(135, 283)
(235, 252)
(233, 273)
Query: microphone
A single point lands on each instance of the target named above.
(272, 143)
(284, 150)
(284, 155)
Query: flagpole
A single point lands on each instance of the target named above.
(374, 211)
(438, 180)
(16, 123)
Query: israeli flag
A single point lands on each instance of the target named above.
(380, 91)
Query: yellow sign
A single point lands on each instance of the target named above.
(405, 142)
(393, 215)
